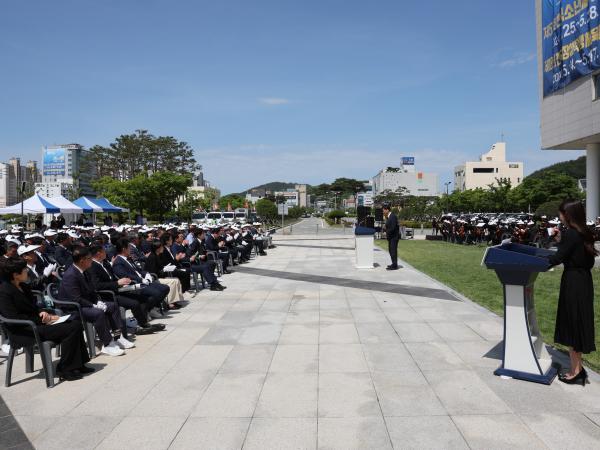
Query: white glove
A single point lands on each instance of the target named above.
(138, 286)
(244, 243)
(169, 268)
(148, 279)
(48, 271)
(101, 305)
(229, 239)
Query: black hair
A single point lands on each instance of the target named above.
(121, 245)
(165, 238)
(61, 237)
(96, 248)
(156, 245)
(574, 214)
(11, 266)
(80, 253)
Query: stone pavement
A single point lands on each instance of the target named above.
(275, 362)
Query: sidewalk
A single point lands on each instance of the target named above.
(305, 351)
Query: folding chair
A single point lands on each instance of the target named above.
(28, 343)
(88, 328)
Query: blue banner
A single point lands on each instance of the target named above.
(54, 161)
(570, 41)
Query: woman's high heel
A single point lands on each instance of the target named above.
(580, 378)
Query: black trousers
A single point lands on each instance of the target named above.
(224, 256)
(104, 322)
(393, 249)
(207, 269)
(138, 309)
(184, 278)
(73, 351)
(155, 293)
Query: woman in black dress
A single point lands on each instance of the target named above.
(575, 314)
(17, 302)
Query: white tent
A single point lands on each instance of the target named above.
(65, 205)
(33, 205)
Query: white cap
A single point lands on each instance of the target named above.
(48, 233)
(13, 239)
(73, 234)
(26, 249)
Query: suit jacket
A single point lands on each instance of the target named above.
(126, 269)
(102, 277)
(136, 254)
(20, 305)
(63, 256)
(76, 287)
(154, 264)
(211, 243)
(177, 248)
(391, 227)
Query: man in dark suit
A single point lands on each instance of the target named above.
(76, 287)
(214, 243)
(62, 252)
(135, 253)
(150, 291)
(196, 255)
(103, 278)
(392, 233)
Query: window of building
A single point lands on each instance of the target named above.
(596, 87)
(489, 158)
(513, 166)
(496, 170)
(483, 170)
(518, 180)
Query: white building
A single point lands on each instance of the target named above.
(4, 185)
(292, 197)
(492, 166)
(416, 183)
(54, 189)
(63, 164)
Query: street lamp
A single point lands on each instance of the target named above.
(447, 184)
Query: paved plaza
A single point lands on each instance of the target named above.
(304, 351)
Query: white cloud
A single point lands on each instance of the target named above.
(515, 60)
(273, 101)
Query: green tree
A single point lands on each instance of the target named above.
(139, 153)
(266, 209)
(235, 200)
(336, 215)
(155, 194)
(548, 186)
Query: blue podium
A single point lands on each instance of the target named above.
(517, 267)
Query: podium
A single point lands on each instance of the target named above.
(364, 247)
(524, 356)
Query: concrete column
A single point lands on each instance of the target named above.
(592, 175)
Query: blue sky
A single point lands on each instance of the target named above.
(276, 90)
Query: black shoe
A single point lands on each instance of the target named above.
(157, 326)
(580, 378)
(391, 268)
(84, 370)
(227, 272)
(140, 331)
(263, 253)
(222, 287)
(70, 375)
(216, 287)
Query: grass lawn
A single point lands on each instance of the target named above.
(458, 266)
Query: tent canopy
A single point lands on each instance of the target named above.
(33, 205)
(65, 205)
(108, 206)
(88, 205)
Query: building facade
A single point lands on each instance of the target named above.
(414, 182)
(64, 164)
(491, 167)
(12, 176)
(569, 86)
